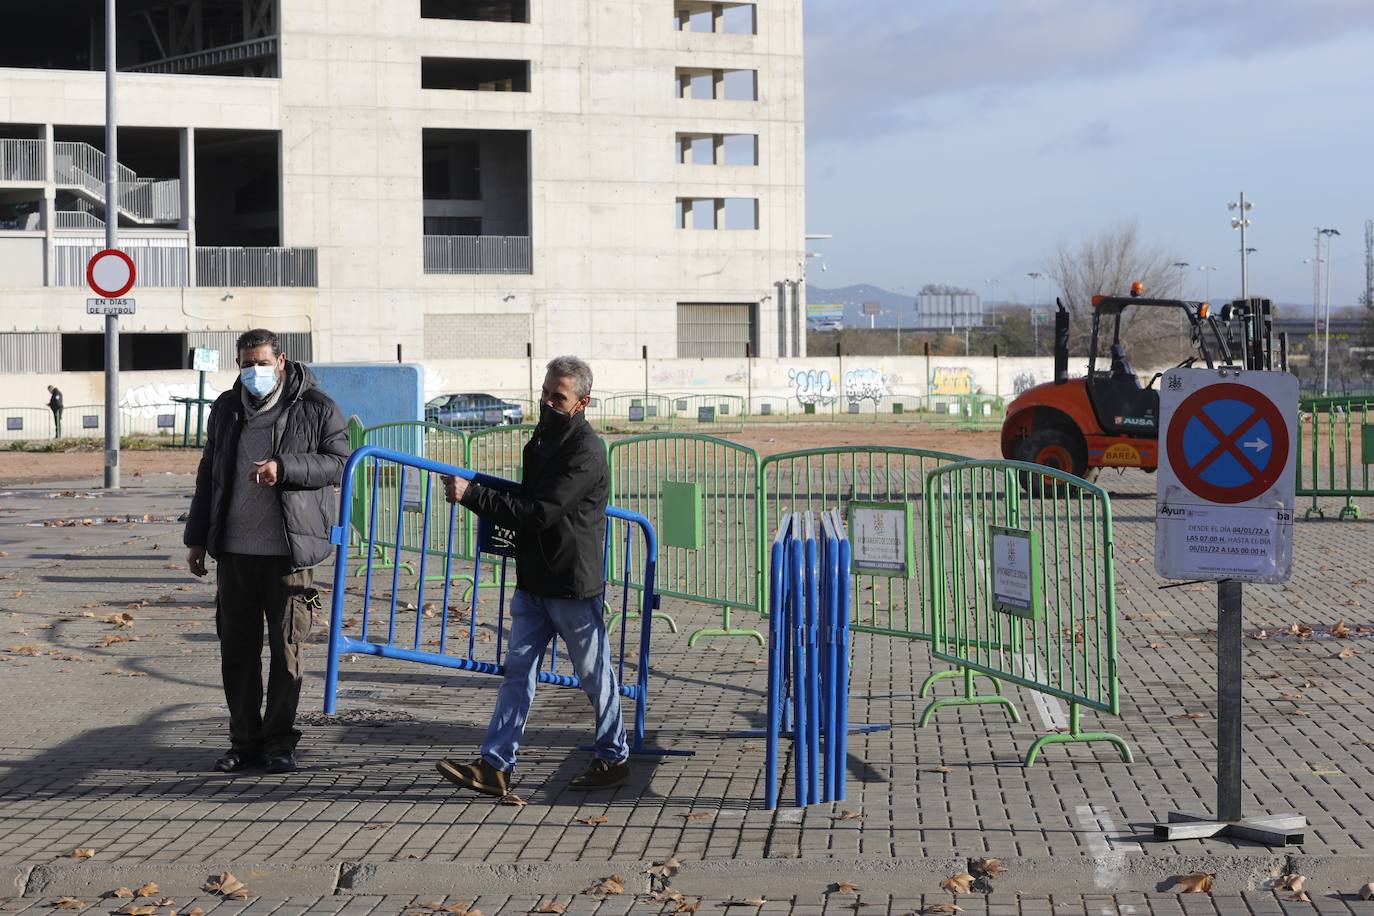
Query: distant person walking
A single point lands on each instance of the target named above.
(264, 504)
(55, 405)
(559, 518)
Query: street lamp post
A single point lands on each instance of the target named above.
(1035, 278)
(1182, 294)
(1206, 282)
(1241, 221)
(1326, 343)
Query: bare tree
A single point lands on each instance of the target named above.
(1107, 263)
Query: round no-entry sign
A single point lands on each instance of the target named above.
(110, 273)
(1228, 443)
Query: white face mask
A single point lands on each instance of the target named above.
(259, 380)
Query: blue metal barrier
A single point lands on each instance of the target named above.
(445, 648)
(808, 656)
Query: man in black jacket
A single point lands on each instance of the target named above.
(558, 516)
(265, 501)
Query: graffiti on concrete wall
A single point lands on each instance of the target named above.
(951, 380)
(812, 386)
(1023, 382)
(865, 385)
(148, 401)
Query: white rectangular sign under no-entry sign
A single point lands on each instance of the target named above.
(1227, 454)
(110, 306)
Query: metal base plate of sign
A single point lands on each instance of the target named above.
(1271, 830)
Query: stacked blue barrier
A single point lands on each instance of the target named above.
(808, 656)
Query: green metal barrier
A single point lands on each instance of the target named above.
(816, 480)
(1048, 622)
(763, 408)
(708, 414)
(377, 493)
(1334, 451)
(631, 412)
(701, 495)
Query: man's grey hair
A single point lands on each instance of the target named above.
(575, 369)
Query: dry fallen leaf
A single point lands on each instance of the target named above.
(666, 869)
(1347, 652)
(512, 800)
(687, 907)
(938, 908)
(80, 853)
(852, 816)
(1299, 630)
(68, 903)
(744, 901)
(1340, 630)
(940, 770)
(1258, 634)
(988, 868)
(119, 892)
(607, 887)
(1157, 645)
(123, 620)
(1199, 883)
(846, 887)
(594, 821)
(1367, 892)
(1290, 882)
(228, 886)
(147, 890)
(133, 909)
(961, 883)
(550, 906)
(1191, 715)
(698, 815)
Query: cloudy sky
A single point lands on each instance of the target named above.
(959, 141)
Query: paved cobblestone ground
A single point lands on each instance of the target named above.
(106, 742)
(1251, 904)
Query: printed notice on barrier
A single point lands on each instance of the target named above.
(414, 500)
(1015, 563)
(880, 538)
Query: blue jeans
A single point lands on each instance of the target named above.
(533, 622)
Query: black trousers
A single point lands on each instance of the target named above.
(252, 591)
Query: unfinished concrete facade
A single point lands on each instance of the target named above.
(452, 177)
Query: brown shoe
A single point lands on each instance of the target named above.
(602, 774)
(479, 776)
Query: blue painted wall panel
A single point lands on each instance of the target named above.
(375, 392)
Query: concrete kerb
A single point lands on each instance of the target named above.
(178, 879)
(778, 878)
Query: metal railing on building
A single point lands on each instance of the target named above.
(76, 219)
(478, 254)
(257, 267)
(160, 261)
(22, 160)
(81, 167)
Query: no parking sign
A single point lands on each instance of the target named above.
(1224, 504)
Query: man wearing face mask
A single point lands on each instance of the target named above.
(558, 515)
(264, 504)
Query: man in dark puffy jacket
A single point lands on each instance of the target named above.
(558, 516)
(265, 501)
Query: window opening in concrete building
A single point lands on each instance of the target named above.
(707, 16)
(21, 210)
(740, 85)
(238, 188)
(741, 213)
(717, 213)
(475, 74)
(477, 10)
(138, 351)
(203, 37)
(477, 200)
(716, 329)
(704, 84)
(150, 193)
(717, 149)
(740, 149)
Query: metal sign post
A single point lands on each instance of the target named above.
(203, 360)
(1224, 511)
(111, 242)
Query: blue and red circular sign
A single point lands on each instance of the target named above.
(1227, 443)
